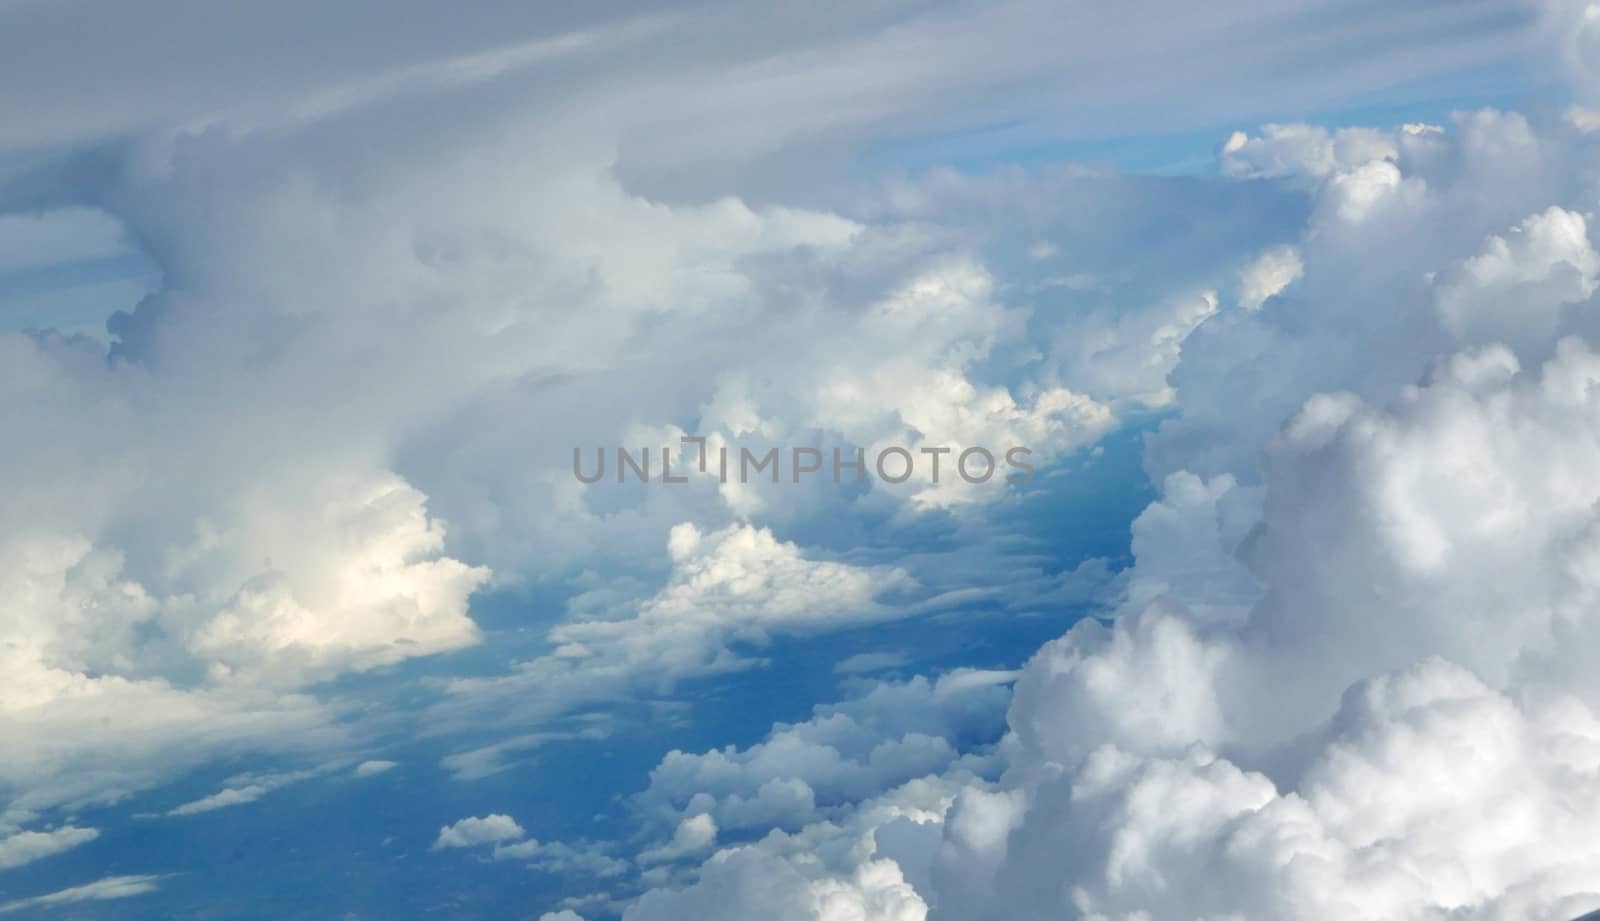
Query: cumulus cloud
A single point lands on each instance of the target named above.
(586, 859)
(1344, 675)
(473, 831)
(694, 835)
(1271, 272)
(740, 583)
(206, 535)
(1512, 292)
(505, 839)
(209, 534)
(730, 592)
(738, 880)
(1390, 820)
(1385, 256)
(844, 753)
(1301, 150)
(207, 540)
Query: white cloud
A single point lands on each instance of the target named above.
(27, 846)
(1127, 357)
(374, 768)
(222, 799)
(694, 835)
(237, 791)
(736, 882)
(563, 859)
(1289, 766)
(1304, 150)
(506, 840)
(1513, 291)
(101, 890)
(739, 583)
(1268, 275)
(730, 592)
(207, 537)
(845, 752)
(388, 596)
(473, 831)
(1343, 680)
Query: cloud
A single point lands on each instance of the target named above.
(562, 859)
(27, 846)
(208, 543)
(1311, 151)
(1343, 676)
(1271, 272)
(713, 63)
(101, 890)
(740, 583)
(374, 768)
(694, 835)
(870, 662)
(737, 880)
(1394, 220)
(239, 791)
(390, 597)
(1285, 765)
(729, 592)
(846, 752)
(1386, 822)
(507, 840)
(222, 799)
(473, 831)
(489, 267)
(1513, 291)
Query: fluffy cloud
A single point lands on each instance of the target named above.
(1284, 765)
(1267, 276)
(1411, 250)
(1288, 765)
(738, 880)
(1296, 150)
(1403, 813)
(504, 839)
(1344, 677)
(844, 753)
(694, 835)
(729, 592)
(473, 831)
(477, 271)
(737, 584)
(1512, 292)
(205, 533)
(391, 595)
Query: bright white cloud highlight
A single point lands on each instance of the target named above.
(473, 831)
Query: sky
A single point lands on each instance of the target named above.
(307, 311)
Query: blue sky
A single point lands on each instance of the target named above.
(303, 311)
